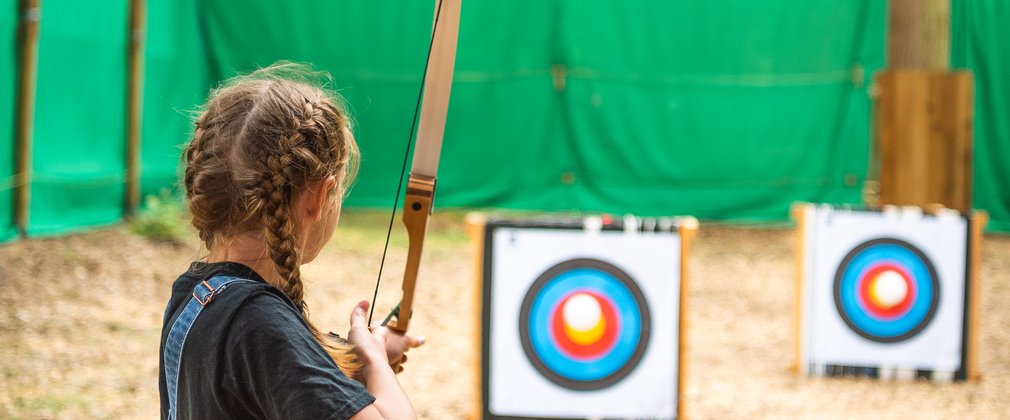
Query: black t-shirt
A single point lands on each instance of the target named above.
(250, 354)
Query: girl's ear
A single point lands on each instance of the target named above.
(313, 199)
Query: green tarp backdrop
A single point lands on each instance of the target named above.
(175, 83)
(729, 109)
(79, 142)
(717, 109)
(980, 41)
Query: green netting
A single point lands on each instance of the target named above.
(979, 33)
(8, 82)
(729, 109)
(175, 83)
(78, 152)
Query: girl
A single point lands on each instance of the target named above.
(265, 172)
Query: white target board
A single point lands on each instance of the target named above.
(883, 293)
(581, 318)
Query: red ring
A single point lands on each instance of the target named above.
(886, 313)
(589, 351)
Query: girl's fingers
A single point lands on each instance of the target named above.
(358, 315)
(406, 341)
(394, 363)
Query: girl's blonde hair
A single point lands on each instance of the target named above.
(258, 141)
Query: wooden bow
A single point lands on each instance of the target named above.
(420, 194)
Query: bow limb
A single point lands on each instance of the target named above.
(420, 194)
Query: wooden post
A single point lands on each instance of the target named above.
(978, 221)
(919, 36)
(923, 116)
(925, 130)
(687, 229)
(475, 223)
(800, 216)
(134, 101)
(30, 13)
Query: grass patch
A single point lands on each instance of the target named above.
(163, 219)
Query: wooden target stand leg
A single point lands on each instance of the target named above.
(799, 215)
(687, 228)
(475, 230)
(978, 221)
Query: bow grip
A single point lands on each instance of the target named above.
(417, 206)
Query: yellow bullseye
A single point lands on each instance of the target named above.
(583, 319)
(888, 289)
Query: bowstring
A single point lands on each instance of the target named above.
(406, 155)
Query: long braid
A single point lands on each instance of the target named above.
(195, 167)
(278, 227)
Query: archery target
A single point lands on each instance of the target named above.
(883, 290)
(584, 324)
(580, 324)
(886, 290)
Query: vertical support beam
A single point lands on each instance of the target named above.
(687, 228)
(925, 127)
(30, 13)
(978, 221)
(919, 36)
(475, 223)
(923, 115)
(134, 102)
(800, 216)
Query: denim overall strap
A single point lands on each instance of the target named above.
(203, 294)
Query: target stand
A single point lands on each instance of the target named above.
(580, 318)
(887, 294)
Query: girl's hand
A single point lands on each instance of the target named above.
(379, 346)
(397, 344)
(375, 348)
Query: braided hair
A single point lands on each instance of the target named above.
(259, 140)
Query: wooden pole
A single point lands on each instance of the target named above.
(924, 123)
(134, 101)
(687, 229)
(800, 216)
(923, 114)
(978, 221)
(919, 36)
(475, 223)
(30, 13)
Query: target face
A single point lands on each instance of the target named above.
(886, 290)
(584, 324)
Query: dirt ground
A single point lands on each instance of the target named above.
(80, 321)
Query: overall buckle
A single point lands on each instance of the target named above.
(205, 301)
